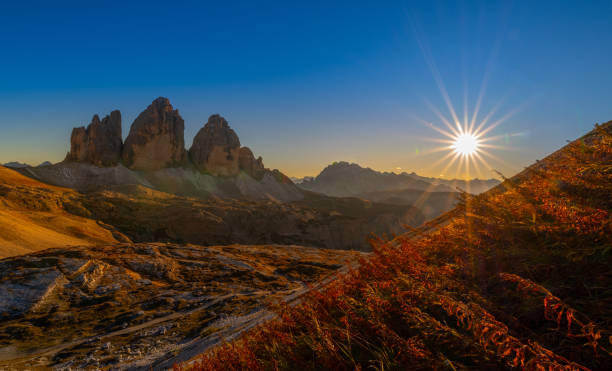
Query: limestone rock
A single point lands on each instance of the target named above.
(216, 148)
(248, 163)
(156, 138)
(78, 145)
(100, 143)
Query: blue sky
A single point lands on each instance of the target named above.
(307, 84)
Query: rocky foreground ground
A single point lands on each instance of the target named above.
(134, 305)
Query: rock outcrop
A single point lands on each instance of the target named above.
(81, 280)
(216, 148)
(156, 139)
(100, 143)
(153, 155)
(248, 163)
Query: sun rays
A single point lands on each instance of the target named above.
(468, 148)
(466, 136)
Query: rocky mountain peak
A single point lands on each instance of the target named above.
(218, 122)
(100, 143)
(216, 148)
(156, 142)
(162, 104)
(156, 139)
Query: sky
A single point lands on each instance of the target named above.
(305, 84)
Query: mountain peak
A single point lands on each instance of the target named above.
(215, 148)
(156, 138)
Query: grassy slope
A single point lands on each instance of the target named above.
(519, 278)
(33, 217)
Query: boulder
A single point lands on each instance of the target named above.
(100, 143)
(248, 163)
(156, 139)
(216, 148)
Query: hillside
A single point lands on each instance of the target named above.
(36, 216)
(146, 215)
(431, 204)
(516, 278)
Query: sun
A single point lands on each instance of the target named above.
(465, 144)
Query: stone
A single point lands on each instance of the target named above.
(156, 139)
(100, 143)
(215, 148)
(78, 145)
(248, 163)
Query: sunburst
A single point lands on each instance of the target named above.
(466, 139)
(466, 144)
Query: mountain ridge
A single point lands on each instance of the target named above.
(343, 178)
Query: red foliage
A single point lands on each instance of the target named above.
(458, 297)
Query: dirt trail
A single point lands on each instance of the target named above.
(190, 351)
(12, 354)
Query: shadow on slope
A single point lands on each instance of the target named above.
(36, 216)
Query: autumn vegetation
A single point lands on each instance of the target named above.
(517, 278)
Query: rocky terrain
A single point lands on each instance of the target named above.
(132, 306)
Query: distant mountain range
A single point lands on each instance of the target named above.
(15, 165)
(343, 179)
(432, 196)
(19, 165)
(297, 180)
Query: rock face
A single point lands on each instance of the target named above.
(100, 143)
(216, 148)
(156, 138)
(248, 163)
